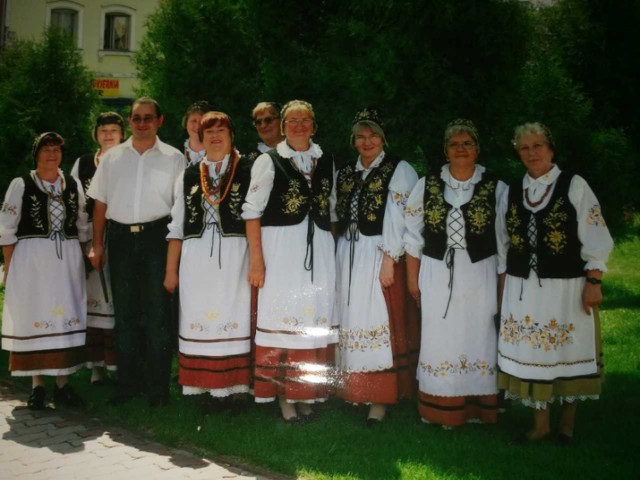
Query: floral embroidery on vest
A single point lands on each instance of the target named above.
(38, 221)
(547, 337)
(555, 238)
(374, 193)
(293, 199)
(322, 198)
(513, 222)
(480, 209)
(191, 207)
(435, 210)
(235, 201)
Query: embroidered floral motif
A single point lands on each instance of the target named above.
(414, 212)
(547, 336)
(38, 221)
(322, 198)
(513, 224)
(10, 209)
(346, 184)
(73, 208)
(594, 217)
(480, 212)
(66, 323)
(461, 366)
(294, 199)
(300, 325)
(212, 315)
(58, 311)
(435, 210)
(555, 238)
(360, 339)
(190, 204)
(235, 201)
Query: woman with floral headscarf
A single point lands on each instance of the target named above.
(453, 269)
(375, 313)
(556, 245)
(42, 222)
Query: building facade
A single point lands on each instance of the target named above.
(107, 33)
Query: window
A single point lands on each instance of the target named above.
(66, 16)
(66, 20)
(117, 31)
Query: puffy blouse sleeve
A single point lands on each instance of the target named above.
(592, 229)
(414, 220)
(502, 238)
(262, 175)
(176, 231)
(10, 212)
(82, 223)
(402, 182)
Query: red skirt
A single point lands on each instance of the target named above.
(456, 411)
(100, 349)
(298, 375)
(30, 363)
(399, 381)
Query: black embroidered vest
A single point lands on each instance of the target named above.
(229, 210)
(558, 246)
(86, 171)
(373, 196)
(35, 220)
(479, 215)
(291, 198)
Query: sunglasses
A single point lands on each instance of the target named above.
(266, 120)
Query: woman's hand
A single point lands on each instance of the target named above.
(386, 271)
(171, 281)
(591, 296)
(256, 272)
(414, 289)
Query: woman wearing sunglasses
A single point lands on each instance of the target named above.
(266, 119)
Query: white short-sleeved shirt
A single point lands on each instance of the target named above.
(137, 188)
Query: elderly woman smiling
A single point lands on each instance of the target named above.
(371, 294)
(557, 244)
(452, 270)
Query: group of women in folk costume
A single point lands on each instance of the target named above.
(298, 281)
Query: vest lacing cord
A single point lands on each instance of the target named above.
(449, 262)
(213, 224)
(308, 257)
(352, 235)
(57, 214)
(532, 233)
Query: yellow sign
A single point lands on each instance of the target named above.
(107, 87)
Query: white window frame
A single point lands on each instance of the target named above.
(66, 5)
(116, 8)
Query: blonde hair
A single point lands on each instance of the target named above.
(297, 105)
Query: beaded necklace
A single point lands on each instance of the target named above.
(544, 195)
(227, 179)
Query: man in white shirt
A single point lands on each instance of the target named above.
(133, 193)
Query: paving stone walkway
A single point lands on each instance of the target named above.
(62, 445)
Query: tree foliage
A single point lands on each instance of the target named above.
(43, 87)
(497, 62)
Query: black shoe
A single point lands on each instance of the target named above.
(119, 400)
(36, 399)
(563, 440)
(373, 422)
(66, 396)
(522, 439)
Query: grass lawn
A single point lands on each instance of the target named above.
(338, 446)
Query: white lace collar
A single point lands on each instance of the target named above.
(285, 151)
(547, 179)
(374, 164)
(446, 177)
(223, 168)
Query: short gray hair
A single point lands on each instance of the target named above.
(533, 128)
(461, 125)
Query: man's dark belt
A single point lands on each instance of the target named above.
(138, 227)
